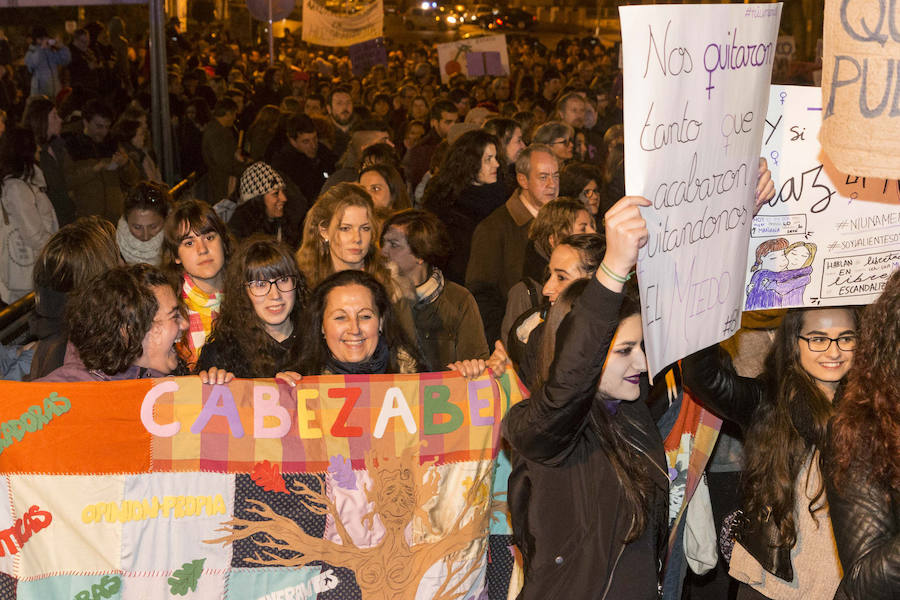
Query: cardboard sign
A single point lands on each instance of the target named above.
(167, 488)
(474, 57)
(861, 88)
(696, 87)
(827, 238)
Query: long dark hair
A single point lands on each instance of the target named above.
(239, 330)
(36, 117)
(459, 169)
(630, 468)
(865, 433)
(790, 422)
(314, 355)
(17, 154)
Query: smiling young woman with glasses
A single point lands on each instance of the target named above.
(784, 544)
(264, 296)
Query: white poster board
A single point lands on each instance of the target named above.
(827, 238)
(326, 28)
(696, 88)
(474, 57)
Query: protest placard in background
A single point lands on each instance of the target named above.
(326, 28)
(861, 88)
(474, 57)
(827, 238)
(696, 87)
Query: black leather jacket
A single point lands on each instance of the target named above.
(567, 507)
(710, 377)
(865, 517)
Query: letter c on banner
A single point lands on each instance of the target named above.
(147, 410)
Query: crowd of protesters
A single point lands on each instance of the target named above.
(390, 221)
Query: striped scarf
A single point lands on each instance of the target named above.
(203, 310)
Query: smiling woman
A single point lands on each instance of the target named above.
(785, 547)
(264, 297)
(356, 330)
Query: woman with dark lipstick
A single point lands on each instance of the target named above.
(588, 491)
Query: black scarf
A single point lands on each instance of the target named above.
(378, 363)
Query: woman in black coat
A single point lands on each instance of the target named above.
(465, 190)
(588, 491)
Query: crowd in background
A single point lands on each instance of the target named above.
(387, 221)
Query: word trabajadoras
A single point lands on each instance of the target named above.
(33, 419)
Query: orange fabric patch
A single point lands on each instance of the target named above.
(36, 438)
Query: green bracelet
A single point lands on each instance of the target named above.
(614, 276)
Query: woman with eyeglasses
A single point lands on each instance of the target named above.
(582, 181)
(784, 547)
(264, 297)
(560, 137)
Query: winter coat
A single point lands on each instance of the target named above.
(449, 329)
(496, 260)
(865, 516)
(709, 376)
(29, 222)
(43, 64)
(74, 370)
(99, 192)
(568, 508)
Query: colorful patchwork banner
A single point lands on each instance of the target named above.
(343, 487)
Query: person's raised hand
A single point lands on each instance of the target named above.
(765, 187)
(499, 360)
(626, 234)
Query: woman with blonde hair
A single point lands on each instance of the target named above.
(339, 234)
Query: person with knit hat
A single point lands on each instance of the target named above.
(262, 207)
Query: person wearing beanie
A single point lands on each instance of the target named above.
(264, 207)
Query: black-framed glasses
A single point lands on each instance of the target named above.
(261, 288)
(821, 343)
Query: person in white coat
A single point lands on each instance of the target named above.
(27, 218)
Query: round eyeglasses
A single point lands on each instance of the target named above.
(820, 343)
(261, 288)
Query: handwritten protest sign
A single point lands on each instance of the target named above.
(860, 91)
(377, 486)
(326, 28)
(474, 57)
(827, 238)
(696, 88)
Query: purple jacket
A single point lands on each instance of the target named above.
(73, 369)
